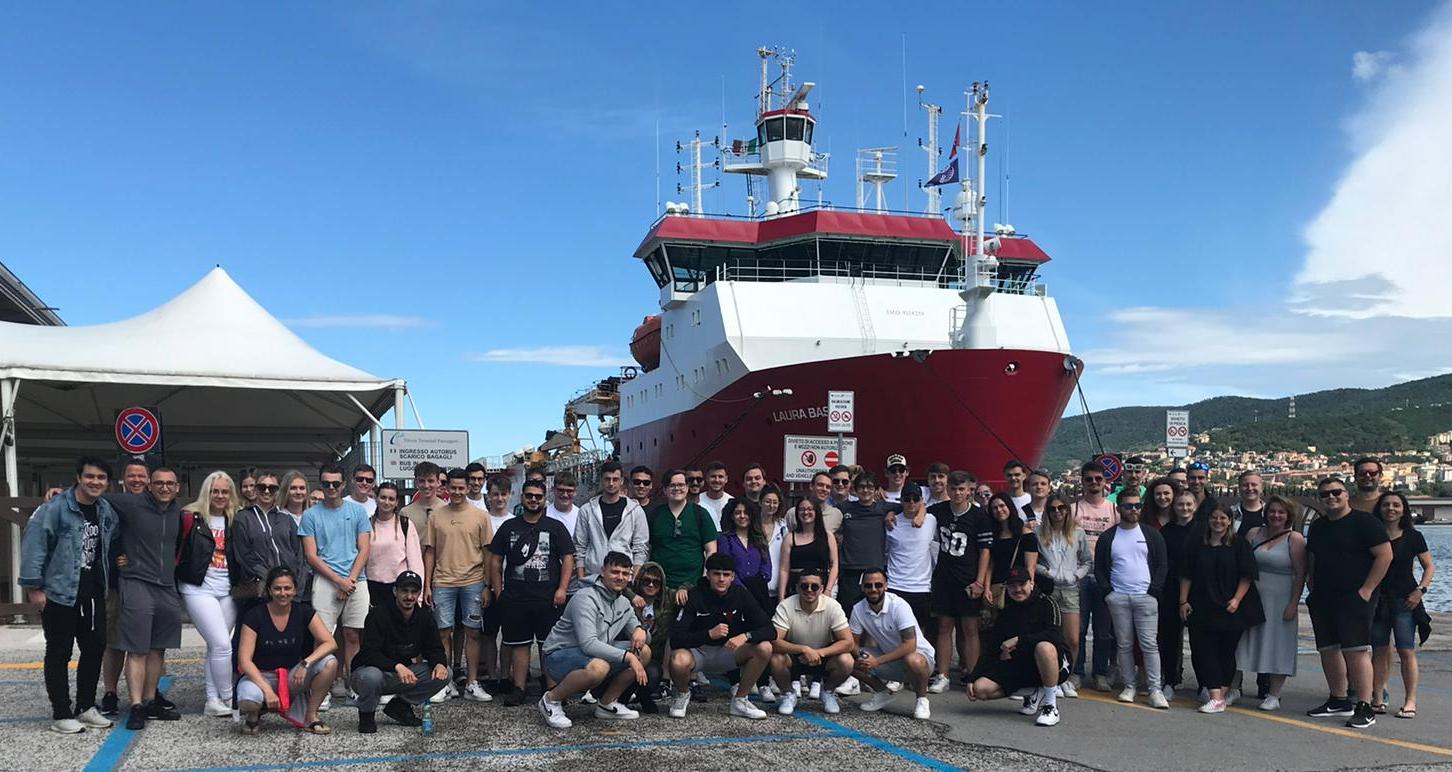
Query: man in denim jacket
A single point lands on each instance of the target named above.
(64, 567)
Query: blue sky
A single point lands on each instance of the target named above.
(417, 185)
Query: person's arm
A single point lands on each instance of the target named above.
(411, 555)
(908, 646)
(431, 645)
(496, 573)
(1381, 558)
(1184, 597)
(586, 618)
(1414, 598)
(246, 647)
(582, 540)
(1298, 574)
(360, 562)
(370, 645)
(1085, 558)
(682, 634)
(1031, 554)
(835, 572)
(639, 539)
(1157, 557)
(842, 643)
(780, 645)
(310, 552)
(428, 576)
(567, 570)
(758, 625)
(1101, 559)
(37, 544)
(324, 637)
(784, 574)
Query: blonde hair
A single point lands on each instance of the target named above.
(203, 504)
(1069, 529)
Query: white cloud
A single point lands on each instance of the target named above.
(565, 356)
(1370, 65)
(359, 322)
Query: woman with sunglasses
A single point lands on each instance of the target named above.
(773, 522)
(1269, 649)
(395, 546)
(808, 547)
(649, 587)
(982, 494)
(1064, 559)
(263, 537)
(1400, 609)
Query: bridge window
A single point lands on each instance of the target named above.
(775, 128)
(794, 128)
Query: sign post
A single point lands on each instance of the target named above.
(804, 456)
(138, 431)
(841, 407)
(1177, 433)
(403, 448)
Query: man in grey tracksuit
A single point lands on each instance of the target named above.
(597, 639)
(610, 522)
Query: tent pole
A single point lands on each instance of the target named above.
(398, 392)
(9, 395)
(418, 419)
(375, 453)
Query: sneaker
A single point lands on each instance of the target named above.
(876, 702)
(588, 698)
(475, 693)
(1101, 683)
(1048, 716)
(767, 694)
(136, 717)
(742, 707)
(1332, 707)
(1030, 704)
(939, 684)
(160, 712)
(1271, 702)
(1127, 694)
(615, 712)
(831, 703)
(680, 703)
(327, 704)
(702, 680)
(66, 726)
(1157, 700)
(217, 709)
(922, 711)
(553, 713)
(514, 697)
(92, 719)
(1169, 692)
(849, 687)
(797, 689)
(453, 691)
(367, 723)
(788, 704)
(441, 695)
(1213, 706)
(893, 686)
(110, 705)
(1362, 716)
(1070, 690)
(815, 691)
(402, 712)
(161, 699)
(1231, 696)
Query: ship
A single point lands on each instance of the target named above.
(947, 339)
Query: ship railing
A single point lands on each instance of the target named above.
(751, 270)
(805, 206)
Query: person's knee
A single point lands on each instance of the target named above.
(780, 662)
(681, 660)
(842, 663)
(351, 635)
(761, 651)
(983, 689)
(916, 662)
(1045, 649)
(597, 669)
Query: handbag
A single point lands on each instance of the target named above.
(247, 589)
(993, 604)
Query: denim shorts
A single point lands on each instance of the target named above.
(1398, 625)
(561, 662)
(459, 603)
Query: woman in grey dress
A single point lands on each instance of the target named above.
(1280, 554)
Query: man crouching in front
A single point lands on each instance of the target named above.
(400, 654)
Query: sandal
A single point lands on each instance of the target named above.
(1405, 713)
(249, 728)
(1378, 708)
(318, 727)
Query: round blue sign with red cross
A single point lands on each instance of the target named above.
(1113, 466)
(138, 430)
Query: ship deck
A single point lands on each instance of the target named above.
(1096, 733)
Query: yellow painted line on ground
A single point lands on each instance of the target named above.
(40, 665)
(1269, 716)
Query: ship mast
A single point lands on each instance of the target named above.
(931, 148)
(970, 207)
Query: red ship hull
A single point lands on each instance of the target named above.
(972, 409)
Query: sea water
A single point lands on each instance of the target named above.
(1439, 543)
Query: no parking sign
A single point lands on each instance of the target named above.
(138, 430)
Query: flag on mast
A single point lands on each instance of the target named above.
(949, 175)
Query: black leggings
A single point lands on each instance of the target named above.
(1212, 652)
(1171, 642)
(83, 624)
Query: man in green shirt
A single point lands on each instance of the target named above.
(681, 536)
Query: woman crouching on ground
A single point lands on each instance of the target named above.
(284, 648)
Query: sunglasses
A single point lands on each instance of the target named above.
(260, 488)
(331, 484)
(368, 480)
(1332, 494)
(809, 587)
(1135, 468)
(640, 482)
(533, 497)
(841, 481)
(693, 480)
(649, 582)
(1058, 508)
(874, 586)
(1135, 507)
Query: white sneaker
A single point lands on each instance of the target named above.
(797, 689)
(453, 691)
(831, 703)
(553, 713)
(922, 711)
(92, 719)
(742, 707)
(877, 701)
(615, 712)
(1231, 696)
(893, 686)
(702, 680)
(1213, 706)
(1127, 694)
(588, 698)
(384, 700)
(1030, 704)
(475, 693)
(767, 694)
(788, 704)
(815, 691)
(1069, 689)
(1169, 692)
(441, 695)
(1157, 700)
(66, 726)
(849, 687)
(1271, 702)
(1058, 691)
(326, 704)
(1048, 716)
(939, 684)
(217, 709)
(680, 703)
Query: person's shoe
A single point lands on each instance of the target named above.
(165, 703)
(648, 706)
(877, 701)
(1169, 692)
(475, 693)
(788, 704)
(91, 718)
(766, 693)
(452, 690)
(850, 687)
(742, 707)
(339, 689)
(1030, 704)
(939, 684)
(702, 679)
(1271, 702)
(1101, 684)
(553, 713)
(1070, 690)
(588, 698)
(136, 717)
(367, 723)
(1127, 694)
(110, 705)
(217, 709)
(1048, 716)
(922, 711)
(1332, 707)
(67, 726)
(615, 712)
(1362, 716)
(814, 692)
(831, 703)
(1157, 700)
(1213, 706)
(513, 697)
(679, 704)
(402, 712)
(893, 686)
(160, 712)
(1231, 697)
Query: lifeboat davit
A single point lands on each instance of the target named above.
(645, 343)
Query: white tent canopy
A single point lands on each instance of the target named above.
(232, 384)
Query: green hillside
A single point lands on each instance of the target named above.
(1338, 420)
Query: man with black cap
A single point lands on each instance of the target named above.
(1025, 650)
(401, 655)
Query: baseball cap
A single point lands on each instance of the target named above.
(896, 459)
(911, 492)
(1017, 575)
(409, 579)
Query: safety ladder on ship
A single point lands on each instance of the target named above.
(864, 319)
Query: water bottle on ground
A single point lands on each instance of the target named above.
(427, 727)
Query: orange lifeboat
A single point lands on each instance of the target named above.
(645, 343)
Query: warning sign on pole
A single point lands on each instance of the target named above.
(1177, 429)
(805, 456)
(840, 407)
(138, 430)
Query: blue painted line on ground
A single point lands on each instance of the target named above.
(876, 742)
(108, 756)
(508, 752)
(24, 720)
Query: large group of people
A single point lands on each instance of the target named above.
(655, 586)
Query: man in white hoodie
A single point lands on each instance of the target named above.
(610, 522)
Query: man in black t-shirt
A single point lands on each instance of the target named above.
(533, 561)
(1349, 554)
(965, 533)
